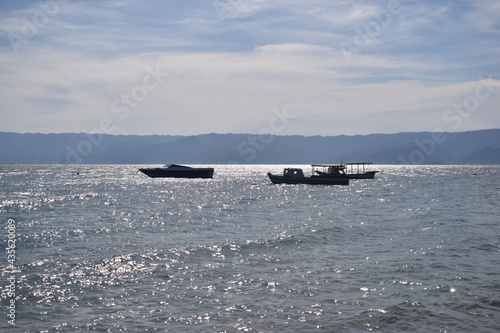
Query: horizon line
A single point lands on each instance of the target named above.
(214, 133)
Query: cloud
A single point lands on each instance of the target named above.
(228, 74)
(291, 48)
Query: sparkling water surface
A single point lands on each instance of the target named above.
(109, 249)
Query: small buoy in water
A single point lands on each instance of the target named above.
(78, 173)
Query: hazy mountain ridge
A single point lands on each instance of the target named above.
(474, 147)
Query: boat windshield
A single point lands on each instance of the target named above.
(175, 166)
(336, 171)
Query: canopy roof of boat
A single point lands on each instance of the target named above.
(358, 163)
(328, 165)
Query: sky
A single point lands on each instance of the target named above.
(284, 67)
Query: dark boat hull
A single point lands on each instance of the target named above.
(188, 173)
(313, 180)
(365, 175)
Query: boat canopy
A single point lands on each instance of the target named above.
(336, 166)
(358, 163)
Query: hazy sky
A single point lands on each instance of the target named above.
(310, 67)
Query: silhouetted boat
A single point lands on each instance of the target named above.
(329, 175)
(178, 171)
(360, 172)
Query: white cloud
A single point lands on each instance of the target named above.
(291, 48)
(228, 75)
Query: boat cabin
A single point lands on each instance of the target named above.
(293, 172)
(329, 170)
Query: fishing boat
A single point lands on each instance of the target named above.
(358, 171)
(178, 171)
(321, 175)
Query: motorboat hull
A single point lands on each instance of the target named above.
(184, 173)
(365, 175)
(313, 180)
(357, 171)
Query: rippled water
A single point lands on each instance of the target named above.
(416, 249)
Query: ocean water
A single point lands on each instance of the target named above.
(415, 250)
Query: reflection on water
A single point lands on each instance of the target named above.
(415, 249)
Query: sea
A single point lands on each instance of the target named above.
(107, 249)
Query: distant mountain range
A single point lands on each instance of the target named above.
(474, 147)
